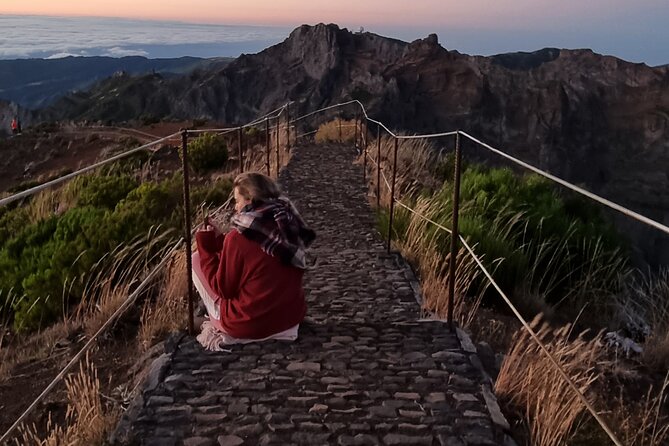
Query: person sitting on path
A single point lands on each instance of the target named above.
(250, 279)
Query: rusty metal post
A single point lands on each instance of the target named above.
(187, 228)
(364, 126)
(355, 132)
(288, 128)
(239, 150)
(267, 144)
(378, 167)
(340, 140)
(454, 235)
(392, 195)
(364, 159)
(278, 160)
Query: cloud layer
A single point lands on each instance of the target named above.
(52, 37)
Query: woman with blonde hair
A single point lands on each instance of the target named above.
(250, 279)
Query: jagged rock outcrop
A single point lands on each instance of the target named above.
(592, 119)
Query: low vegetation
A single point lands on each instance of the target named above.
(207, 152)
(339, 130)
(83, 249)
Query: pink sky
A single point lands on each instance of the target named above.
(635, 30)
(508, 14)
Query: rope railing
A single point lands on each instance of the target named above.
(276, 114)
(41, 187)
(119, 311)
(136, 293)
(628, 212)
(568, 185)
(516, 313)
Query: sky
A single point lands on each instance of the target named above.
(633, 30)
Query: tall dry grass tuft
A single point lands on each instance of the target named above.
(55, 201)
(16, 349)
(329, 132)
(117, 274)
(86, 420)
(643, 423)
(419, 246)
(643, 309)
(414, 158)
(530, 384)
(110, 283)
(168, 312)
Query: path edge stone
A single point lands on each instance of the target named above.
(487, 387)
(151, 376)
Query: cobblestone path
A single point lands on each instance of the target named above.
(364, 370)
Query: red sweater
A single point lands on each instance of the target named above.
(261, 296)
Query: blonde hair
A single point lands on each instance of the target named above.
(256, 187)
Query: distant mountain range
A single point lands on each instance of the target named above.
(591, 119)
(36, 83)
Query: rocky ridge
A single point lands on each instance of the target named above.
(591, 119)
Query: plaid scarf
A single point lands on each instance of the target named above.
(278, 228)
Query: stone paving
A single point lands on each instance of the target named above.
(365, 369)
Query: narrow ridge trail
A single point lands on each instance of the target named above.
(364, 371)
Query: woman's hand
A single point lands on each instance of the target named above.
(209, 225)
(209, 239)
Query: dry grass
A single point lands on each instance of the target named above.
(109, 285)
(112, 282)
(168, 313)
(529, 383)
(649, 300)
(54, 201)
(36, 347)
(418, 246)
(643, 311)
(643, 423)
(656, 347)
(414, 158)
(86, 421)
(255, 157)
(330, 131)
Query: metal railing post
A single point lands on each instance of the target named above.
(239, 150)
(364, 159)
(364, 134)
(288, 128)
(267, 145)
(340, 140)
(454, 228)
(355, 132)
(392, 195)
(187, 227)
(378, 167)
(278, 159)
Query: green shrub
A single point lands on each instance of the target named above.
(207, 152)
(212, 195)
(47, 262)
(106, 191)
(531, 236)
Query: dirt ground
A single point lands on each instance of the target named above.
(115, 356)
(47, 152)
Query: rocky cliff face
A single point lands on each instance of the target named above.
(591, 119)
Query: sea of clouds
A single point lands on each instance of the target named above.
(54, 37)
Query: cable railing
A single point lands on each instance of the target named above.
(512, 307)
(187, 238)
(361, 122)
(455, 236)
